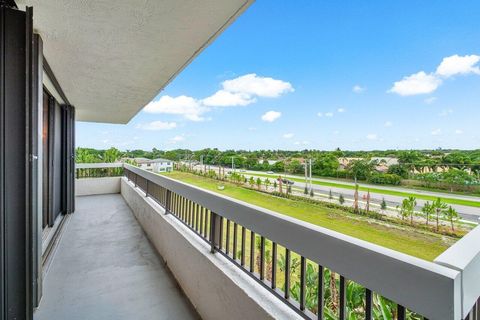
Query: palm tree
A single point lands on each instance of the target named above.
(440, 208)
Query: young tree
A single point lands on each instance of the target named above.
(289, 189)
(451, 215)
(383, 204)
(428, 209)
(412, 203)
(341, 199)
(407, 208)
(251, 182)
(259, 183)
(305, 191)
(440, 208)
(330, 196)
(275, 185)
(267, 183)
(311, 193)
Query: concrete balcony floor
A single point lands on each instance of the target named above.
(105, 268)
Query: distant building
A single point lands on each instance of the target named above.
(155, 165)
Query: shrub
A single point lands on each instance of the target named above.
(385, 178)
(341, 199)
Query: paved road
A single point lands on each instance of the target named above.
(466, 212)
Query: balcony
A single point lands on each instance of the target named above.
(105, 267)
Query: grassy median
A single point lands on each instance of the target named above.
(462, 202)
(421, 244)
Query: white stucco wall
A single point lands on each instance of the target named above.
(216, 288)
(89, 186)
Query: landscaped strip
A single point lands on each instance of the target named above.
(424, 245)
(462, 202)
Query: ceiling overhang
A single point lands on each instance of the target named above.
(113, 57)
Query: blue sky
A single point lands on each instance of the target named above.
(320, 75)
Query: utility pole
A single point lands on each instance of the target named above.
(311, 187)
(233, 166)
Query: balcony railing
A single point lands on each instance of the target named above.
(294, 260)
(98, 170)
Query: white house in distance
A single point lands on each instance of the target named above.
(155, 165)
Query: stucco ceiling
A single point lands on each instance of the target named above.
(112, 57)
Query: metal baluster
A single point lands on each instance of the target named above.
(201, 221)
(287, 273)
(401, 312)
(220, 241)
(262, 257)
(252, 251)
(343, 298)
(274, 265)
(368, 304)
(321, 292)
(234, 250)
(242, 258)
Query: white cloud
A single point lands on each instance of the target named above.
(436, 132)
(240, 91)
(271, 116)
(288, 135)
(336, 132)
(372, 136)
(388, 124)
(423, 83)
(157, 125)
(224, 98)
(458, 131)
(320, 114)
(252, 129)
(176, 139)
(445, 112)
(329, 114)
(301, 143)
(456, 64)
(418, 83)
(188, 107)
(341, 110)
(358, 89)
(430, 100)
(254, 85)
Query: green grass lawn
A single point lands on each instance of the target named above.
(382, 191)
(407, 240)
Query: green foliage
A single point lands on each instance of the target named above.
(341, 199)
(383, 204)
(384, 178)
(451, 215)
(330, 196)
(399, 170)
(439, 208)
(361, 169)
(325, 164)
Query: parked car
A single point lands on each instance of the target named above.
(270, 172)
(286, 181)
